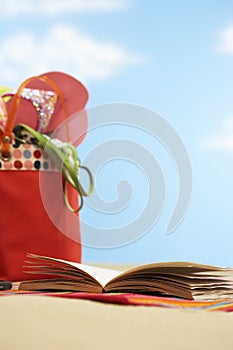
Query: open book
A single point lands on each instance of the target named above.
(179, 279)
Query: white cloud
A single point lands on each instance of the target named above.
(219, 143)
(223, 140)
(62, 48)
(57, 7)
(226, 40)
(227, 124)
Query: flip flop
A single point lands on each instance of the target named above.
(41, 108)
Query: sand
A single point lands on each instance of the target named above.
(39, 322)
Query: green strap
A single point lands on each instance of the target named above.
(61, 157)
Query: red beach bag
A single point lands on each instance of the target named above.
(28, 167)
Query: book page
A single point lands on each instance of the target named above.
(182, 268)
(101, 275)
(180, 279)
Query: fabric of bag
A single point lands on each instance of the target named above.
(26, 225)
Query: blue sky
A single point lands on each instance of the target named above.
(173, 57)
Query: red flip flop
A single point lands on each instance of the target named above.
(42, 109)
